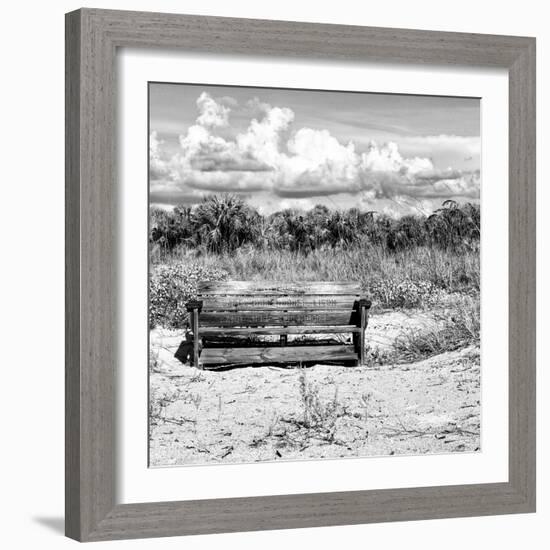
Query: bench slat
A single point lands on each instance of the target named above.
(266, 303)
(247, 331)
(276, 318)
(276, 288)
(293, 354)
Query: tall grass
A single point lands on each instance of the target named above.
(412, 278)
(377, 270)
(455, 327)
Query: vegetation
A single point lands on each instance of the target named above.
(454, 327)
(223, 224)
(170, 287)
(319, 414)
(406, 262)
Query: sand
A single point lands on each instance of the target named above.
(272, 413)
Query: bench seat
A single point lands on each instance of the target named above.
(267, 331)
(228, 316)
(276, 354)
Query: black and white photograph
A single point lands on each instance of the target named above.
(275, 282)
(314, 274)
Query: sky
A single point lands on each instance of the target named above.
(282, 148)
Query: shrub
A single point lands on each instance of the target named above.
(455, 327)
(319, 414)
(406, 293)
(171, 286)
(224, 223)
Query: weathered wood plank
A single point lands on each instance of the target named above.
(277, 288)
(363, 323)
(294, 354)
(247, 331)
(266, 303)
(277, 318)
(196, 336)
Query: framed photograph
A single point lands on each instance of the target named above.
(300, 275)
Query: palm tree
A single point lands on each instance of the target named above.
(454, 227)
(342, 228)
(224, 222)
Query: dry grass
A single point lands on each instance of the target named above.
(363, 262)
(454, 327)
(409, 278)
(319, 414)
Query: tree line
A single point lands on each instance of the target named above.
(223, 223)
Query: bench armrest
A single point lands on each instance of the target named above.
(194, 304)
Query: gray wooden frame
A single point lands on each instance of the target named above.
(92, 38)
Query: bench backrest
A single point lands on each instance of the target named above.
(253, 304)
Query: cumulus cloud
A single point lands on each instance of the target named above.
(387, 174)
(271, 155)
(387, 158)
(213, 114)
(257, 108)
(158, 167)
(262, 139)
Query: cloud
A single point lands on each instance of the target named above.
(174, 197)
(387, 158)
(201, 151)
(158, 167)
(270, 155)
(469, 145)
(213, 114)
(448, 149)
(386, 173)
(231, 182)
(262, 138)
(257, 108)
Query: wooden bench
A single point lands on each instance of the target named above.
(228, 318)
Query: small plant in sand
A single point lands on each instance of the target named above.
(154, 362)
(219, 408)
(379, 356)
(320, 414)
(159, 400)
(273, 425)
(365, 403)
(195, 399)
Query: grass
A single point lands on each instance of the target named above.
(411, 278)
(452, 328)
(319, 414)
(364, 262)
(420, 277)
(318, 420)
